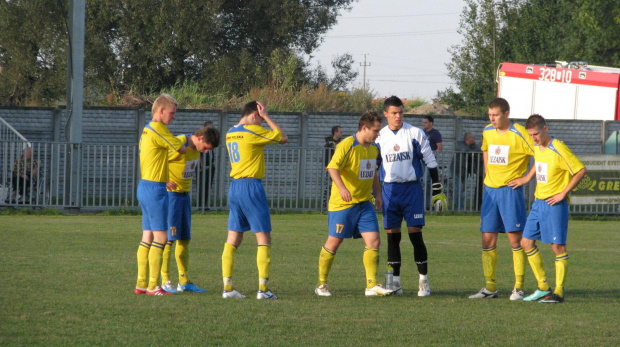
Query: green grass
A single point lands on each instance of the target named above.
(68, 280)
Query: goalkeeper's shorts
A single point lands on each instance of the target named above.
(402, 200)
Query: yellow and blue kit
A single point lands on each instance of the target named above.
(357, 166)
(247, 200)
(503, 208)
(182, 168)
(555, 167)
(245, 144)
(155, 142)
(508, 154)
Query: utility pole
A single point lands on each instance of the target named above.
(364, 65)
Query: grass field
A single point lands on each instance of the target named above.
(68, 280)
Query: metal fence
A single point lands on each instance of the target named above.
(295, 178)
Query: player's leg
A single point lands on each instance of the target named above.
(558, 226)
(233, 241)
(184, 236)
(143, 262)
(326, 259)
(514, 217)
(263, 263)
(561, 267)
(173, 228)
(531, 234)
(237, 224)
(154, 199)
(368, 227)
(392, 220)
(490, 225)
(145, 245)
(420, 255)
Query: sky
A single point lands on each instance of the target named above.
(404, 43)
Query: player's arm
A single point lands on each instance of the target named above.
(570, 186)
(376, 188)
(262, 111)
(344, 192)
(485, 159)
(518, 182)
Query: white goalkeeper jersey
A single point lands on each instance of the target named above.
(402, 154)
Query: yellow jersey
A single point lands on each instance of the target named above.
(357, 166)
(245, 145)
(182, 167)
(555, 167)
(155, 142)
(507, 154)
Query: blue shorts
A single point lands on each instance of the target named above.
(357, 219)
(153, 200)
(179, 216)
(249, 209)
(503, 210)
(402, 200)
(547, 223)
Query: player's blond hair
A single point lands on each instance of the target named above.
(163, 101)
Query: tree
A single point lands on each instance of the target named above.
(147, 45)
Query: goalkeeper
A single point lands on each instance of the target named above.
(403, 151)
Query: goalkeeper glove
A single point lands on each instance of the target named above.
(438, 201)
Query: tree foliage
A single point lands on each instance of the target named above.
(228, 46)
(527, 31)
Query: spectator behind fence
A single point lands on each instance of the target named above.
(435, 140)
(207, 171)
(24, 170)
(330, 145)
(467, 162)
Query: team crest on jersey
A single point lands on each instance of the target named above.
(498, 154)
(541, 172)
(396, 147)
(368, 166)
(367, 169)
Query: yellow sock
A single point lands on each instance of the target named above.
(518, 261)
(326, 259)
(228, 264)
(165, 263)
(536, 262)
(181, 252)
(561, 267)
(143, 264)
(371, 263)
(155, 263)
(263, 262)
(489, 265)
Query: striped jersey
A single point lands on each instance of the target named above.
(357, 166)
(182, 167)
(507, 154)
(155, 142)
(402, 154)
(555, 167)
(245, 145)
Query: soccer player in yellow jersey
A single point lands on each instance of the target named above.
(506, 149)
(155, 142)
(557, 171)
(182, 169)
(353, 169)
(247, 201)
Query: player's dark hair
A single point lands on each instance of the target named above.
(334, 129)
(535, 121)
(430, 119)
(209, 135)
(249, 108)
(501, 103)
(368, 119)
(208, 124)
(392, 101)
